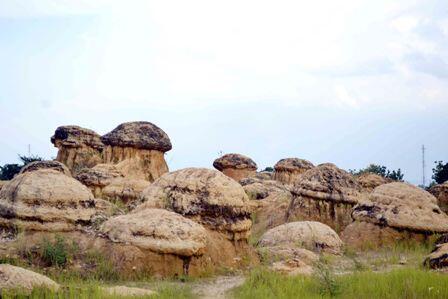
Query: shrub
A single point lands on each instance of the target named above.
(440, 172)
(57, 252)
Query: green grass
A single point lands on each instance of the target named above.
(402, 283)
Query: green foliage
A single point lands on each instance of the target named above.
(8, 171)
(269, 169)
(57, 252)
(327, 281)
(380, 170)
(440, 172)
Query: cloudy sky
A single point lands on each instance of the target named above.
(351, 82)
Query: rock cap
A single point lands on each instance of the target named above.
(235, 161)
(292, 164)
(139, 134)
(37, 165)
(75, 136)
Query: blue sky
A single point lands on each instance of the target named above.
(348, 82)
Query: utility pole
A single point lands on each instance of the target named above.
(423, 165)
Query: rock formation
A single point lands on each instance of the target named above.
(47, 200)
(78, 147)
(293, 247)
(2, 183)
(236, 166)
(326, 194)
(441, 193)
(206, 196)
(16, 278)
(98, 177)
(137, 150)
(55, 165)
(289, 170)
(395, 211)
(370, 181)
(271, 199)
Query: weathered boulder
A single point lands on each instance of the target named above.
(158, 230)
(98, 177)
(137, 150)
(395, 211)
(289, 170)
(370, 181)
(440, 191)
(236, 166)
(2, 183)
(126, 190)
(55, 165)
(206, 196)
(16, 278)
(326, 194)
(271, 199)
(78, 147)
(293, 247)
(47, 200)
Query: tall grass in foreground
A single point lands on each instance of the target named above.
(402, 283)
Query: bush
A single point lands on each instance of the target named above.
(8, 171)
(380, 170)
(58, 252)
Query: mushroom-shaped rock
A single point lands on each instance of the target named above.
(370, 181)
(440, 191)
(395, 211)
(327, 194)
(204, 195)
(47, 200)
(138, 149)
(55, 165)
(289, 170)
(236, 166)
(78, 147)
(16, 278)
(310, 235)
(158, 230)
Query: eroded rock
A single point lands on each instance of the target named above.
(236, 166)
(289, 170)
(16, 278)
(55, 165)
(440, 191)
(370, 181)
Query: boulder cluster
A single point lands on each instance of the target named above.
(114, 194)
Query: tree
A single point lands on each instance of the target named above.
(8, 171)
(380, 170)
(440, 172)
(269, 169)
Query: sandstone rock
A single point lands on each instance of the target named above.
(2, 183)
(78, 147)
(289, 170)
(206, 196)
(271, 199)
(441, 193)
(55, 165)
(326, 194)
(395, 211)
(16, 278)
(137, 149)
(264, 175)
(98, 177)
(370, 181)
(158, 230)
(127, 291)
(236, 166)
(47, 200)
(438, 257)
(126, 190)
(310, 235)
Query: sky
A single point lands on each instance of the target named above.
(349, 82)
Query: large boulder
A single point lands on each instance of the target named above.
(159, 231)
(78, 147)
(137, 149)
(395, 211)
(289, 170)
(326, 194)
(16, 278)
(294, 247)
(47, 200)
(2, 183)
(370, 181)
(204, 195)
(55, 165)
(236, 166)
(98, 177)
(440, 191)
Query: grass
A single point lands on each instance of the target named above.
(400, 283)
